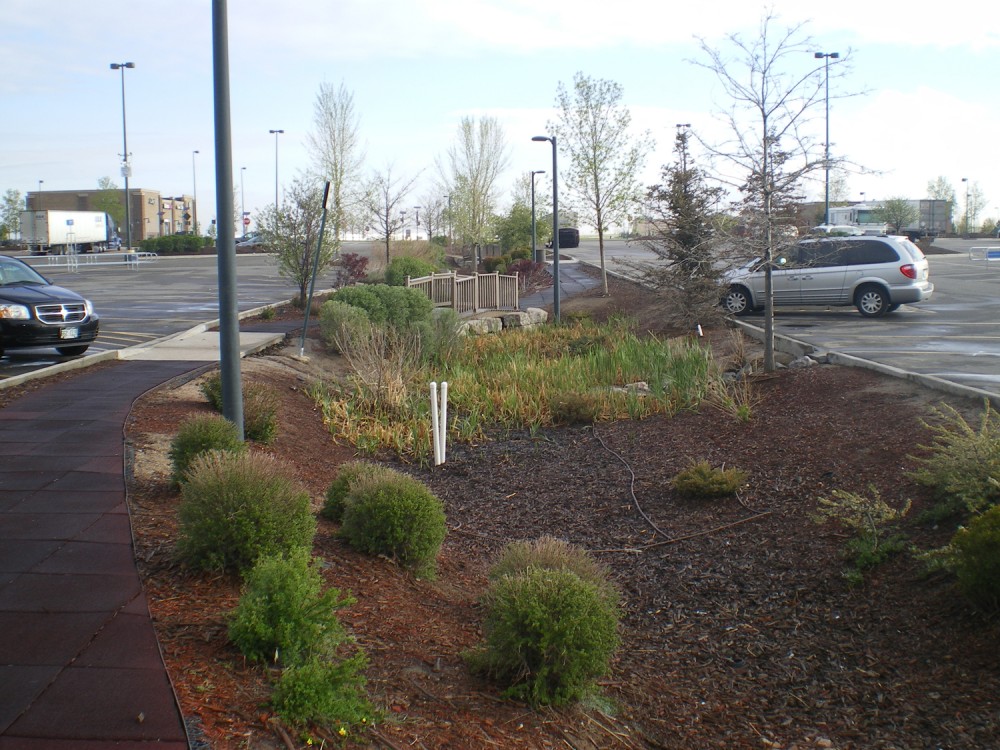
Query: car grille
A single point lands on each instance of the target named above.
(53, 315)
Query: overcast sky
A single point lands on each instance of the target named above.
(416, 67)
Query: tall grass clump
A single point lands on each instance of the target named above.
(199, 435)
(702, 480)
(237, 508)
(284, 615)
(962, 468)
(549, 634)
(397, 516)
(522, 378)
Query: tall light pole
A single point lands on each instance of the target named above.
(194, 198)
(126, 167)
(966, 181)
(534, 248)
(416, 223)
(555, 222)
(276, 134)
(38, 198)
(825, 57)
(243, 203)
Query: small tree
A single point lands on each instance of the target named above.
(594, 126)
(293, 233)
(10, 213)
(109, 199)
(897, 213)
(382, 203)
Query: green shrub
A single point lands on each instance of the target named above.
(260, 407)
(552, 554)
(363, 297)
(237, 508)
(198, 435)
(405, 265)
(548, 635)
(347, 475)
(324, 692)
(340, 324)
(702, 481)
(439, 336)
(396, 516)
(260, 412)
(394, 306)
(867, 516)
(963, 468)
(284, 614)
(974, 555)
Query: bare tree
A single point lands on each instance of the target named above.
(335, 145)
(383, 204)
(975, 202)
(773, 98)
(475, 162)
(594, 127)
(432, 210)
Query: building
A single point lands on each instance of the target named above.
(152, 214)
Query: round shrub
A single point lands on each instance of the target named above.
(211, 387)
(284, 614)
(198, 435)
(549, 635)
(402, 266)
(975, 558)
(347, 475)
(260, 412)
(550, 553)
(237, 508)
(341, 323)
(324, 692)
(362, 297)
(396, 516)
(394, 306)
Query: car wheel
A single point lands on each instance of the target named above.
(72, 351)
(871, 301)
(737, 301)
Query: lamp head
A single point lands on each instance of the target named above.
(540, 138)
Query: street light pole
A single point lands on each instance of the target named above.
(825, 56)
(534, 248)
(966, 181)
(416, 223)
(276, 134)
(126, 167)
(555, 222)
(243, 203)
(194, 198)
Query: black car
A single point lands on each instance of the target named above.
(36, 313)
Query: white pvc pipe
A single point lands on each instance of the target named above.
(443, 421)
(434, 424)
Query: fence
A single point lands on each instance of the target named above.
(469, 294)
(73, 261)
(984, 253)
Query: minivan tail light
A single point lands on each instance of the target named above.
(909, 271)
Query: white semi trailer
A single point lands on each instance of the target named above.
(63, 232)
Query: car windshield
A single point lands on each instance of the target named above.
(14, 273)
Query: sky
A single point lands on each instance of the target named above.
(918, 97)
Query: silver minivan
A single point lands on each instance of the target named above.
(875, 274)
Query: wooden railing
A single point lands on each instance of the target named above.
(469, 294)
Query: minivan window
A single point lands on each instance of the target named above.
(820, 254)
(869, 252)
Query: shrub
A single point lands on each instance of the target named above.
(974, 555)
(702, 481)
(396, 516)
(867, 516)
(575, 408)
(260, 407)
(363, 297)
(340, 324)
(347, 475)
(260, 412)
(237, 508)
(394, 306)
(324, 692)
(284, 614)
(551, 554)
(403, 266)
(353, 268)
(549, 635)
(198, 435)
(439, 336)
(963, 468)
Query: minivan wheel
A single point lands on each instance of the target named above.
(737, 301)
(871, 301)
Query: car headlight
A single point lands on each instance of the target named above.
(14, 312)
(88, 305)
